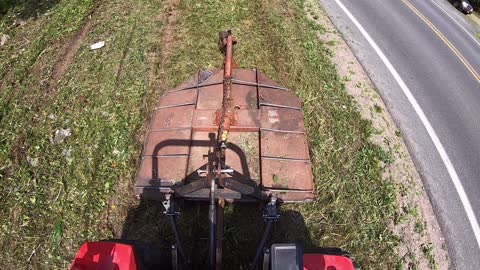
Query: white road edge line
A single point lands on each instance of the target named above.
(451, 17)
(436, 141)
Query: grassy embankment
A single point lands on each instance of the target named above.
(56, 195)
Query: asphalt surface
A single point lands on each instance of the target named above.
(445, 87)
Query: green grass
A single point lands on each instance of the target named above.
(53, 207)
(106, 96)
(420, 227)
(377, 108)
(429, 251)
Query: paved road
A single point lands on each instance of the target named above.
(432, 49)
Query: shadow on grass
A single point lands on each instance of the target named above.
(244, 225)
(25, 9)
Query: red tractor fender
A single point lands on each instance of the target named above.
(105, 256)
(326, 262)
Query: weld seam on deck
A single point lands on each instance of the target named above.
(286, 159)
(282, 131)
(175, 105)
(235, 81)
(197, 86)
(279, 106)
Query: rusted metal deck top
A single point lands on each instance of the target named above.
(267, 148)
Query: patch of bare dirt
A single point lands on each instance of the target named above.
(67, 55)
(417, 225)
(171, 15)
(63, 60)
(19, 149)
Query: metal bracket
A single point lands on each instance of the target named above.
(174, 257)
(203, 173)
(270, 215)
(172, 214)
(169, 205)
(266, 259)
(271, 210)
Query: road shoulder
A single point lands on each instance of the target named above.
(422, 244)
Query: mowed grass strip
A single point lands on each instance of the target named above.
(53, 205)
(354, 206)
(54, 195)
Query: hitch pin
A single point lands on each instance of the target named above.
(204, 172)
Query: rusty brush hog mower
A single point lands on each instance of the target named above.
(225, 136)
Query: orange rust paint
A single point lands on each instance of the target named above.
(227, 115)
(229, 56)
(277, 159)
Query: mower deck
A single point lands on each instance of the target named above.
(267, 144)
